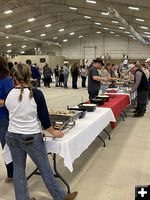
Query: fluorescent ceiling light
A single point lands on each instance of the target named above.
(27, 31)
(112, 32)
(98, 32)
(7, 12)
(8, 45)
(43, 34)
(65, 40)
(24, 46)
(48, 25)
(7, 37)
(133, 8)
(105, 13)
(87, 17)
(8, 26)
(121, 27)
(9, 51)
(131, 36)
(71, 33)
(97, 23)
(148, 36)
(144, 27)
(127, 32)
(22, 52)
(31, 20)
(54, 38)
(140, 20)
(90, 1)
(115, 22)
(61, 30)
(117, 35)
(80, 36)
(105, 28)
(73, 8)
(147, 33)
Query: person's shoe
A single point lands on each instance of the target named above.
(138, 115)
(71, 196)
(33, 198)
(135, 111)
(8, 180)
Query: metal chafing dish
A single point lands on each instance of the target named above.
(63, 119)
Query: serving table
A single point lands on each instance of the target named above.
(75, 141)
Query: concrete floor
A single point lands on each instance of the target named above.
(109, 173)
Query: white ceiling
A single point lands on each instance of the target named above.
(58, 14)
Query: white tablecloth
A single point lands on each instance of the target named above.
(78, 138)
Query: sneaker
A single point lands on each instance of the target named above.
(71, 196)
(8, 180)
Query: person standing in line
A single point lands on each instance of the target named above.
(94, 80)
(47, 73)
(66, 73)
(6, 84)
(141, 86)
(83, 73)
(56, 72)
(35, 73)
(61, 77)
(75, 74)
(24, 135)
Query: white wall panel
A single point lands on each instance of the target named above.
(116, 46)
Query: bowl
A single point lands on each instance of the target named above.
(88, 107)
(82, 112)
(97, 101)
(103, 97)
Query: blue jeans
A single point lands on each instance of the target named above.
(65, 80)
(3, 131)
(20, 145)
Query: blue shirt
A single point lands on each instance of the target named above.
(6, 84)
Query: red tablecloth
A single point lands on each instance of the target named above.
(117, 103)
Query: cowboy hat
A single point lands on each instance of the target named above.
(99, 60)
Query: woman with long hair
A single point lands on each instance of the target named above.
(27, 112)
(6, 84)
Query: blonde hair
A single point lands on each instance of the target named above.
(23, 75)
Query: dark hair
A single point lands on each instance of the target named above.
(15, 63)
(144, 66)
(28, 62)
(4, 71)
(10, 65)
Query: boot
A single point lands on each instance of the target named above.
(71, 196)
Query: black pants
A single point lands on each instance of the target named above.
(74, 82)
(142, 98)
(47, 81)
(83, 81)
(93, 94)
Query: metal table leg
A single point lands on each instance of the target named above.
(107, 133)
(125, 114)
(57, 175)
(121, 115)
(102, 140)
(35, 172)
